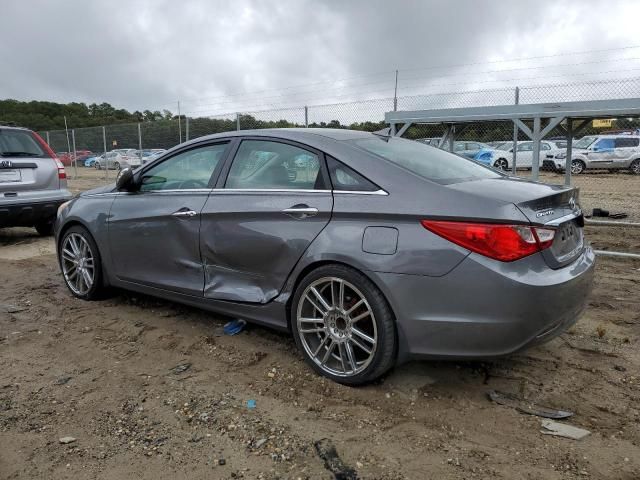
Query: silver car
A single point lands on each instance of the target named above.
(611, 152)
(371, 250)
(33, 182)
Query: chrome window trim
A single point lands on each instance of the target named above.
(244, 190)
(267, 190)
(359, 192)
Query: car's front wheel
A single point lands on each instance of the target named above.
(501, 164)
(577, 167)
(80, 263)
(343, 325)
(635, 167)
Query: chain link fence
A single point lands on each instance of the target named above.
(615, 191)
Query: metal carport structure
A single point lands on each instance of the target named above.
(544, 116)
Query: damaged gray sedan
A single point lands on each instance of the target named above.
(370, 249)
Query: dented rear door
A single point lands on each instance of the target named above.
(258, 223)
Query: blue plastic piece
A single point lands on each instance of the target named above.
(251, 404)
(234, 327)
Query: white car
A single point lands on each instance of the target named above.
(112, 160)
(610, 152)
(524, 154)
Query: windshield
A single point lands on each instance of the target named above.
(428, 162)
(19, 143)
(584, 142)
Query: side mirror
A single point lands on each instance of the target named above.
(124, 180)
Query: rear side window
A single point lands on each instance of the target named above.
(605, 144)
(19, 143)
(428, 162)
(622, 142)
(269, 165)
(344, 178)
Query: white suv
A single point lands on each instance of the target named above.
(611, 152)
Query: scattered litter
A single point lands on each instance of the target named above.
(332, 462)
(234, 326)
(251, 404)
(260, 442)
(66, 440)
(599, 212)
(222, 461)
(563, 430)
(178, 369)
(523, 406)
(63, 380)
(4, 308)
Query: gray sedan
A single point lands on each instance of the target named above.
(371, 250)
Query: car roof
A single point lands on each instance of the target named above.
(301, 134)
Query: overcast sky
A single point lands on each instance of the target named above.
(220, 56)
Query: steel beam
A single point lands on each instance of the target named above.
(535, 160)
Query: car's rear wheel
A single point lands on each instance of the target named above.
(501, 164)
(577, 167)
(117, 165)
(635, 167)
(343, 325)
(44, 228)
(80, 263)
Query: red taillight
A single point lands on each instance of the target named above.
(61, 173)
(501, 242)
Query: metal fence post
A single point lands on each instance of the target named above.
(306, 116)
(238, 121)
(140, 142)
(395, 94)
(48, 140)
(567, 164)
(535, 159)
(179, 124)
(75, 155)
(186, 129)
(515, 134)
(104, 143)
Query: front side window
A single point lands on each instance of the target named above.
(604, 144)
(265, 164)
(428, 162)
(525, 147)
(186, 171)
(584, 142)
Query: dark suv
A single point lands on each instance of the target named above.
(33, 182)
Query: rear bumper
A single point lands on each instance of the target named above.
(27, 214)
(484, 308)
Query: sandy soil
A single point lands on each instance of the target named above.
(105, 374)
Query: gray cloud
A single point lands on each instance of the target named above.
(148, 54)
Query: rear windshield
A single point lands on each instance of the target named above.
(428, 162)
(18, 143)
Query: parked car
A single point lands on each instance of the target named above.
(391, 250)
(33, 181)
(524, 154)
(612, 152)
(111, 160)
(91, 161)
(155, 153)
(67, 158)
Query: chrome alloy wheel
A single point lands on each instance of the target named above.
(78, 265)
(337, 327)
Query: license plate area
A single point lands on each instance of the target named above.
(10, 175)
(568, 241)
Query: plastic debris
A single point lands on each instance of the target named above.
(524, 406)
(563, 430)
(183, 367)
(251, 404)
(234, 326)
(66, 440)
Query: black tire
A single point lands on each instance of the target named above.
(502, 164)
(635, 167)
(577, 167)
(97, 290)
(383, 356)
(45, 228)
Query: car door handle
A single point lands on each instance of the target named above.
(184, 213)
(301, 211)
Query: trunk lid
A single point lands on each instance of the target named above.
(555, 206)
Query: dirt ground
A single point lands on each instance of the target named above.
(151, 389)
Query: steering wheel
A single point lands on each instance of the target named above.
(192, 184)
